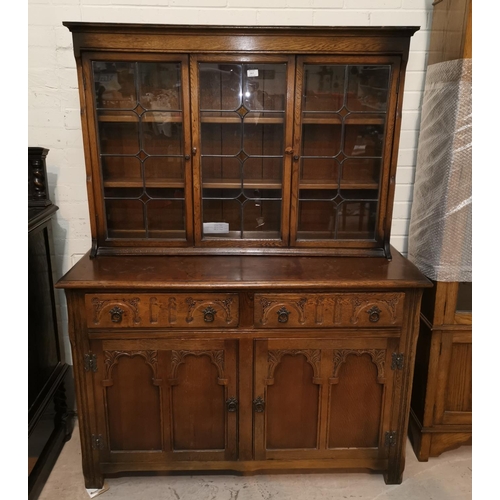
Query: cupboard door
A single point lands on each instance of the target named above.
(241, 118)
(163, 400)
(454, 383)
(142, 174)
(320, 398)
(345, 113)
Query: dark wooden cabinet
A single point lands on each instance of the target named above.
(50, 401)
(309, 366)
(441, 405)
(241, 308)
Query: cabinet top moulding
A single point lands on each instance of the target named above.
(214, 39)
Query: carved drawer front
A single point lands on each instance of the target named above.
(328, 310)
(162, 310)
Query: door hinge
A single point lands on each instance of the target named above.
(90, 362)
(390, 438)
(398, 360)
(232, 405)
(97, 442)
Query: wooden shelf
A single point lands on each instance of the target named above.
(150, 183)
(255, 120)
(328, 235)
(141, 234)
(247, 235)
(236, 184)
(356, 120)
(117, 117)
(334, 185)
(248, 120)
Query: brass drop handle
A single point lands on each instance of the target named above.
(194, 151)
(374, 314)
(209, 314)
(283, 315)
(296, 158)
(116, 314)
(187, 157)
(232, 405)
(259, 405)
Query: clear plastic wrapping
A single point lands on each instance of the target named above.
(440, 234)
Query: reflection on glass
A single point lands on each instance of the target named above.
(343, 130)
(140, 137)
(242, 142)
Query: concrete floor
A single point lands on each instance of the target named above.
(448, 477)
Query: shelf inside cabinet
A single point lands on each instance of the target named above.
(141, 234)
(152, 116)
(348, 120)
(320, 184)
(247, 235)
(237, 120)
(245, 184)
(149, 183)
(328, 235)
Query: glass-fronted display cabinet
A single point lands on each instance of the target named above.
(250, 153)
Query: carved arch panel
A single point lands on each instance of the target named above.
(293, 399)
(356, 398)
(132, 392)
(198, 395)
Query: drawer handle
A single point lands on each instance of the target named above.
(116, 314)
(259, 405)
(209, 314)
(283, 315)
(374, 314)
(232, 405)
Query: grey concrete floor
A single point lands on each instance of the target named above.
(448, 477)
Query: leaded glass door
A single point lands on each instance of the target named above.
(242, 135)
(343, 153)
(142, 140)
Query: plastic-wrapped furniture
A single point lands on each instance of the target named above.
(440, 240)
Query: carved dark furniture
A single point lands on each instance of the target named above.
(256, 338)
(49, 378)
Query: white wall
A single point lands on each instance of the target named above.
(53, 105)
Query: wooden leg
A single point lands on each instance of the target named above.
(394, 475)
(94, 482)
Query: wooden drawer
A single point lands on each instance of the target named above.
(162, 310)
(328, 310)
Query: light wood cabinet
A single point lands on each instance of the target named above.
(241, 308)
